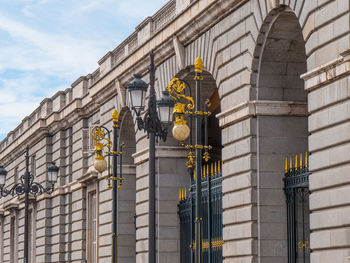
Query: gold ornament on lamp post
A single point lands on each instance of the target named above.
(191, 107)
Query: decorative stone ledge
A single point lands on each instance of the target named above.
(12, 205)
(90, 176)
(327, 73)
(161, 152)
(262, 108)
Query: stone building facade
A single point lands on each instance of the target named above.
(280, 69)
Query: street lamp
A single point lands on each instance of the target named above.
(103, 144)
(28, 186)
(180, 90)
(154, 124)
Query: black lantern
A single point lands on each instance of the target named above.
(137, 93)
(28, 186)
(52, 173)
(165, 108)
(3, 174)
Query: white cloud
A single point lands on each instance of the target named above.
(49, 52)
(50, 43)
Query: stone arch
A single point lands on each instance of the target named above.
(279, 58)
(282, 130)
(127, 196)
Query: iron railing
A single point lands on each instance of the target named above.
(211, 202)
(296, 187)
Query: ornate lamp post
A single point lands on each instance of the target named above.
(152, 123)
(103, 144)
(177, 90)
(28, 186)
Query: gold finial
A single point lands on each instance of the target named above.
(301, 161)
(306, 161)
(198, 65)
(194, 174)
(286, 166)
(212, 169)
(208, 170)
(115, 115)
(215, 168)
(180, 195)
(185, 193)
(290, 164)
(296, 162)
(219, 166)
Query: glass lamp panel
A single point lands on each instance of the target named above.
(171, 110)
(136, 97)
(2, 179)
(52, 176)
(3, 174)
(163, 113)
(49, 176)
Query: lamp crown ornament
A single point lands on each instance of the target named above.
(198, 65)
(115, 115)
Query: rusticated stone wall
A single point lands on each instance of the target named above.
(254, 53)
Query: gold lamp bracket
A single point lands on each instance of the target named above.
(176, 89)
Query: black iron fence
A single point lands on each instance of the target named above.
(211, 203)
(296, 187)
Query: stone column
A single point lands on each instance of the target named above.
(171, 175)
(329, 128)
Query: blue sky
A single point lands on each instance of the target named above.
(47, 44)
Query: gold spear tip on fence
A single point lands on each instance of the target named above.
(185, 193)
(290, 164)
(208, 170)
(306, 160)
(215, 168)
(286, 166)
(212, 169)
(296, 162)
(219, 166)
(301, 161)
(180, 195)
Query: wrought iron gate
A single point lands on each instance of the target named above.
(296, 187)
(212, 217)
